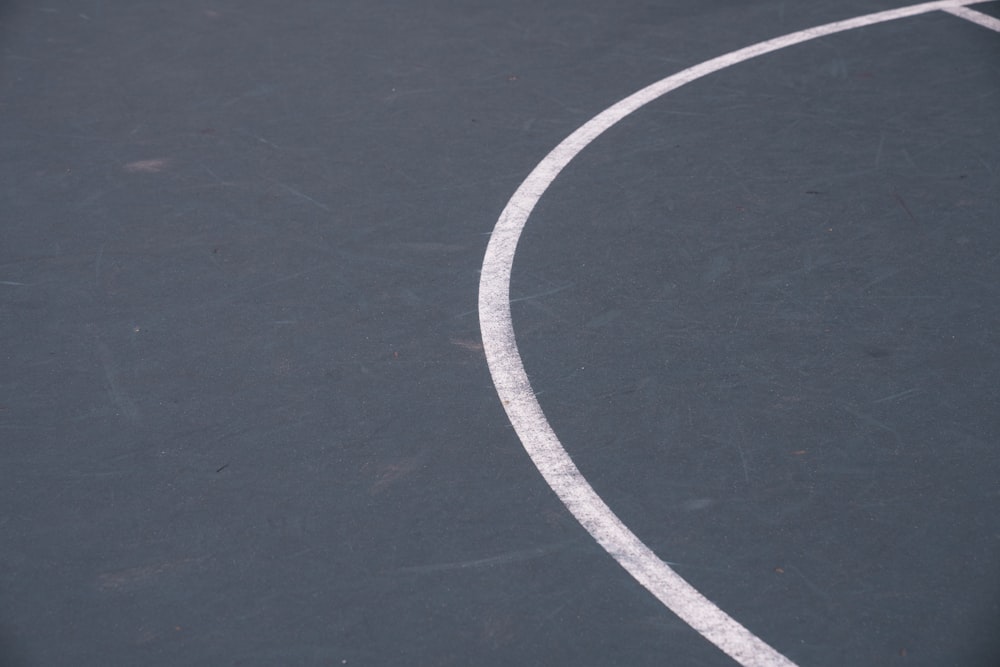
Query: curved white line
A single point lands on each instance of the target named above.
(518, 398)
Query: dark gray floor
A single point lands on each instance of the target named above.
(244, 410)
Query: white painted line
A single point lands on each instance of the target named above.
(984, 20)
(518, 398)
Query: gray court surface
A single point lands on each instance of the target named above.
(246, 414)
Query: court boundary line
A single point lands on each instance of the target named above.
(979, 18)
(514, 388)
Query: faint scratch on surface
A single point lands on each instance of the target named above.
(259, 138)
(134, 577)
(390, 473)
(868, 419)
(97, 266)
(902, 203)
(260, 90)
(119, 397)
(530, 297)
(219, 180)
(902, 394)
(491, 561)
(470, 345)
(738, 441)
(300, 195)
(809, 583)
(147, 166)
(541, 294)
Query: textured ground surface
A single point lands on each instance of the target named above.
(245, 414)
